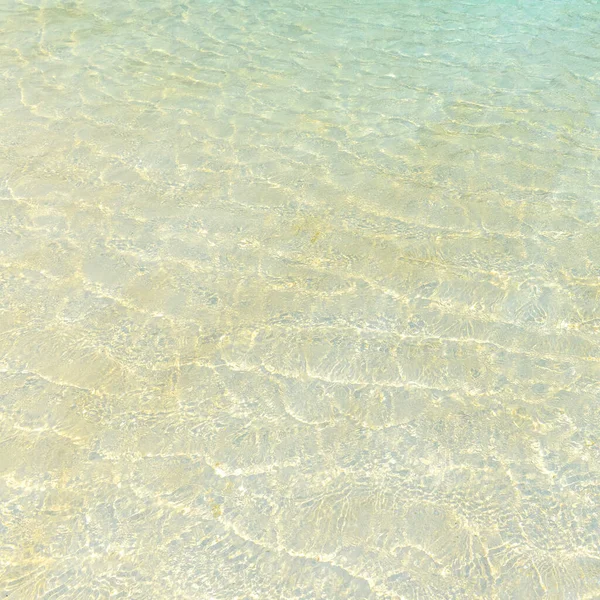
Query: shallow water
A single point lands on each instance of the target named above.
(300, 299)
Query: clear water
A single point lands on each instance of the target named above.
(300, 299)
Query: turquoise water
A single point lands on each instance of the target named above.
(300, 300)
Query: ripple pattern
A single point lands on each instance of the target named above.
(299, 299)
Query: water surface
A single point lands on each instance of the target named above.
(300, 299)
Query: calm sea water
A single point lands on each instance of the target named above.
(300, 300)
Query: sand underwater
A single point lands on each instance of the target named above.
(300, 300)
